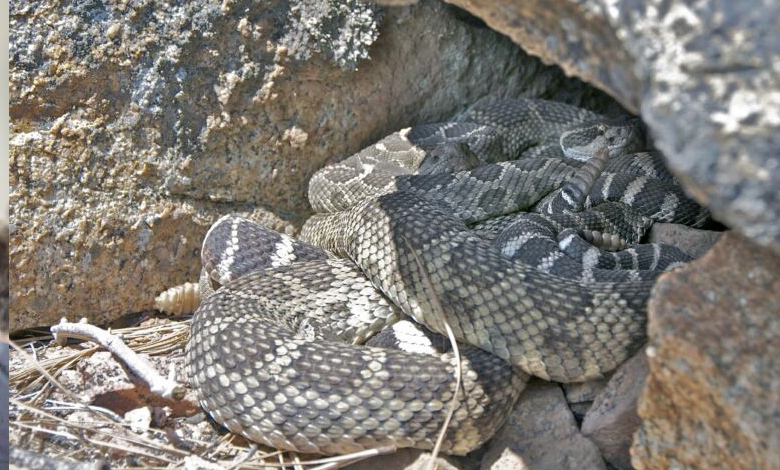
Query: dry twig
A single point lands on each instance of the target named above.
(439, 311)
(142, 368)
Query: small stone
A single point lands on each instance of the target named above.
(139, 419)
(613, 419)
(114, 30)
(541, 434)
(193, 462)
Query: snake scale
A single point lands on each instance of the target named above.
(275, 350)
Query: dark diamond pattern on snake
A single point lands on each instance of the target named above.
(523, 218)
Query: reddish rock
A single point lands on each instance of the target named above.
(712, 396)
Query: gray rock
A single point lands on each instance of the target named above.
(613, 419)
(135, 126)
(714, 385)
(693, 242)
(703, 74)
(541, 434)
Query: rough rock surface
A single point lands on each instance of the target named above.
(613, 419)
(714, 385)
(692, 241)
(703, 74)
(541, 434)
(135, 125)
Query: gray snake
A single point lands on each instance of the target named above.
(273, 351)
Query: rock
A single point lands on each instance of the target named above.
(541, 434)
(580, 396)
(714, 385)
(613, 419)
(193, 462)
(703, 75)
(135, 126)
(139, 419)
(691, 241)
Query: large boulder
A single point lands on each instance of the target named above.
(703, 75)
(712, 396)
(136, 125)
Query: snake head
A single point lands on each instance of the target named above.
(449, 157)
(621, 136)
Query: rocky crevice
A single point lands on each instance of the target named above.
(136, 125)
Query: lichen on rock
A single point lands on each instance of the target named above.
(343, 31)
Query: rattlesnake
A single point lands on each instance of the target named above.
(269, 352)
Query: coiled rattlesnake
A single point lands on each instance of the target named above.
(273, 352)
